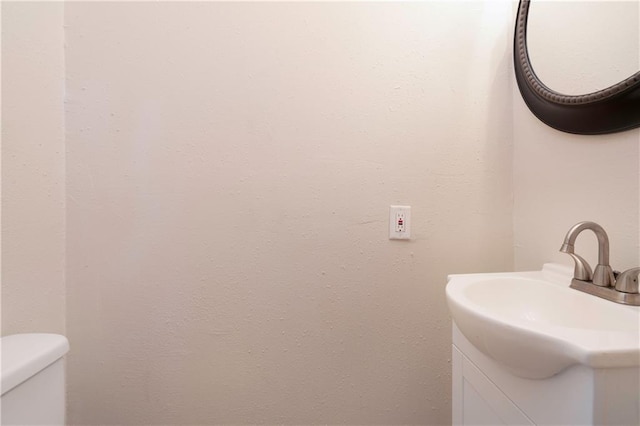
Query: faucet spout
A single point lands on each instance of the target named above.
(603, 274)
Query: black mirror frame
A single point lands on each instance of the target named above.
(610, 110)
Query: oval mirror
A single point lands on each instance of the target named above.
(585, 78)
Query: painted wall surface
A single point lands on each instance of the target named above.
(230, 168)
(561, 179)
(33, 174)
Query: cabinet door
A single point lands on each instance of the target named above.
(477, 410)
(477, 401)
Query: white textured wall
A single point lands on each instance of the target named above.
(33, 175)
(561, 179)
(230, 167)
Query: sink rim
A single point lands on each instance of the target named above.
(564, 292)
(542, 349)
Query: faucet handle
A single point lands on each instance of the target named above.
(582, 270)
(627, 281)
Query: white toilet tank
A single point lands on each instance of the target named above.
(33, 379)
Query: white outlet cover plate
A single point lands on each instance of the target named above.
(394, 213)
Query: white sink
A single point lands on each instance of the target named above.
(533, 324)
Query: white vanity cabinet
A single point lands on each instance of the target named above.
(485, 393)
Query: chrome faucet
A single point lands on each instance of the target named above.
(603, 274)
(602, 281)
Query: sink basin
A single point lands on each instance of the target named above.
(533, 324)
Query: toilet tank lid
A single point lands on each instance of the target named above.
(24, 355)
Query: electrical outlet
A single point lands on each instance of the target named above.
(399, 222)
